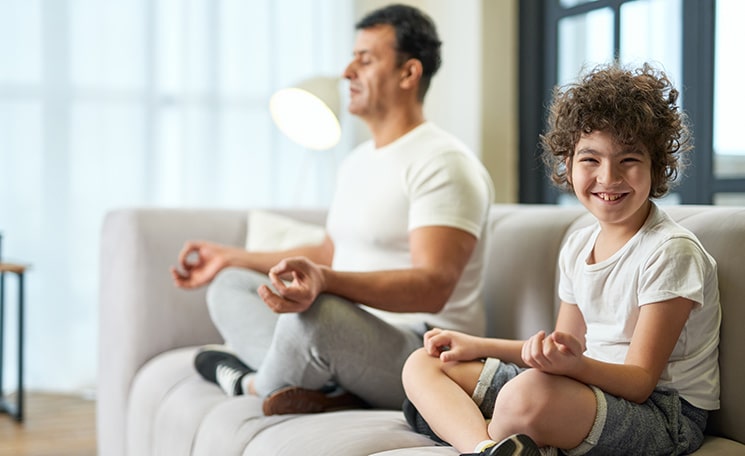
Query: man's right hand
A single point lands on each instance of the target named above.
(198, 263)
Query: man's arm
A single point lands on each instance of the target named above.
(200, 261)
(439, 255)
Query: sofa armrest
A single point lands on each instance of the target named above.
(141, 313)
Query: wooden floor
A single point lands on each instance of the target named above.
(53, 425)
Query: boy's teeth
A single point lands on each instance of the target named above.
(608, 197)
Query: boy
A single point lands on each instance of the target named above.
(631, 367)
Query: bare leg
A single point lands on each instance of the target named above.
(442, 394)
(554, 410)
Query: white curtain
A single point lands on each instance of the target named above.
(105, 104)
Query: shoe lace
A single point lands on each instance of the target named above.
(228, 377)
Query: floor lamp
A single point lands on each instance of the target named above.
(308, 114)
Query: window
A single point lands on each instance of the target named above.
(143, 102)
(703, 64)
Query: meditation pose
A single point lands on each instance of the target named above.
(631, 365)
(330, 326)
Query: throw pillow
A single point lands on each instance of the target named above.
(268, 231)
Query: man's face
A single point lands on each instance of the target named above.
(373, 73)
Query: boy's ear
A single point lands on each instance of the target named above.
(568, 166)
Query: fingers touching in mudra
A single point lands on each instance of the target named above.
(297, 283)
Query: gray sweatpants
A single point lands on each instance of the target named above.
(334, 341)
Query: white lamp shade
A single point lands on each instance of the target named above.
(309, 112)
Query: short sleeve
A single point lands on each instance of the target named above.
(449, 189)
(677, 268)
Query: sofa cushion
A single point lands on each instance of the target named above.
(273, 231)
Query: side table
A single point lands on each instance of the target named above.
(5, 407)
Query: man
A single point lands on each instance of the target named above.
(331, 325)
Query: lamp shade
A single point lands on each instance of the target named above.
(308, 113)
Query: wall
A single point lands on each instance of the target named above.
(474, 95)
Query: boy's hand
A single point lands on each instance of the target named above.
(556, 353)
(450, 345)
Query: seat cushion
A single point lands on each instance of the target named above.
(172, 410)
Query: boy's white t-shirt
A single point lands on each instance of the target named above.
(662, 261)
(425, 178)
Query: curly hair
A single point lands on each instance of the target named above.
(636, 107)
(416, 37)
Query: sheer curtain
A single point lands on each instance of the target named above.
(142, 103)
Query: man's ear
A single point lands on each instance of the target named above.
(411, 73)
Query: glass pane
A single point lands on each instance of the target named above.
(729, 199)
(729, 143)
(184, 161)
(20, 42)
(244, 48)
(108, 162)
(107, 169)
(651, 32)
(246, 137)
(584, 41)
(571, 3)
(183, 45)
(107, 44)
(21, 176)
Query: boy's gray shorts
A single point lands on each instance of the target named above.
(665, 424)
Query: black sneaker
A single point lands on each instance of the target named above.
(218, 365)
(514, 445)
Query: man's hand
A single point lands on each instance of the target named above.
(306, 282)
(198, 263)
(556, 353)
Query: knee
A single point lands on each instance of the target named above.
(227, 285)
(521, 404)
(417, 362)
(313, 329)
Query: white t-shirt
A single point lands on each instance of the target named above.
(662, 261)
(425, 178)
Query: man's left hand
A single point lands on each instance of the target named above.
(306, 282)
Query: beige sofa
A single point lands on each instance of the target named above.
(151, 402)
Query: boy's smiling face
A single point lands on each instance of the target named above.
(613, 181)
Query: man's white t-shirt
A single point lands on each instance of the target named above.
(662, 261)
(425, 178)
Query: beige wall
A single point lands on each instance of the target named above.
(474, 95)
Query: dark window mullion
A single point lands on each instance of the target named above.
(533, 66)
(698, 96)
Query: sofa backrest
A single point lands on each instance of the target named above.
(521, 276)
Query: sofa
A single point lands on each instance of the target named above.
(150, 401)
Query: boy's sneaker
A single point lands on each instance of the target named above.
(514, 445)
(218, 365)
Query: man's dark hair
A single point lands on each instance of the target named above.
(416, 38)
